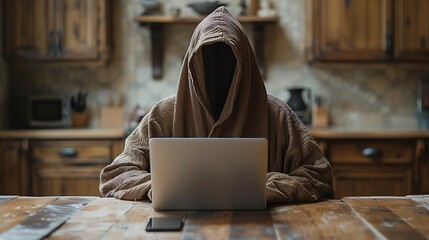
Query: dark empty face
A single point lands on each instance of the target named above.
(219, 67)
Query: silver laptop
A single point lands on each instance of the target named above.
(208, 173)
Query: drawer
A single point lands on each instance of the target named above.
(72, 152)
(395, 151)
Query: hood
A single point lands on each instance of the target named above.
(220, 92)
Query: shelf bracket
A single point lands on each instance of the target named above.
(157, 40)
(259, 41)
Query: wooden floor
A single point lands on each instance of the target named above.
(108, 218)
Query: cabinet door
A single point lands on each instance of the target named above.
(14, 171)
(27, 28)
(352, 30)
(372, 180)
(66, 180)
(70, 167)
(56, 30)
(81, 24)
(423, 168)
(365, 167)
(412, 28)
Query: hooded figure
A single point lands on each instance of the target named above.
(221, 94)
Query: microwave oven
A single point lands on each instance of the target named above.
(49, 112)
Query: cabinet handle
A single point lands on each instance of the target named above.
(371, 152)
(68, 152)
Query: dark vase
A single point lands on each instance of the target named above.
(296, 102)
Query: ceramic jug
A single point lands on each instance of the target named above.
(299, 101)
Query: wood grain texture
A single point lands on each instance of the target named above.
(252, 224)
(412, 30)
(383, 220)
(423, 199)
(46, 219)
(351, 30)
(93, 220)
(324, 220)
(207, 225)
(168, 19)
(132, 225)
(64, 134)
(5, 199)
(57, 30)
(108, 218)
(16, 211)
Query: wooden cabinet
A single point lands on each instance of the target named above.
(367, 167)
(368, 30)
(56, 162)
(56, 30)
(70, 167)
(412, 35)
(14, 169)
(351, 30)
(423, 166)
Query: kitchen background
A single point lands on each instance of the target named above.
(360, 95)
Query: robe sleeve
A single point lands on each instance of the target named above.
(300, 172)
(128, 176)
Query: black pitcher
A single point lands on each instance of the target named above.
(297, 102)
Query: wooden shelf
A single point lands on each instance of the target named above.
(169, 19)
(156, 24)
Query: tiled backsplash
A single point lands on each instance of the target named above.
(359, 95)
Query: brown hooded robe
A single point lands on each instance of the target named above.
(221, 94)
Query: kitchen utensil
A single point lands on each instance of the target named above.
(320, 113)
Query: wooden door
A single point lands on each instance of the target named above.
(372, 180)
(412, 30)
(57, 180)
(423, 167)
(14, 170)
(27, 25)
(364, 167)
(56, 30)
(352, 30)
(81, 24)
(70, 167)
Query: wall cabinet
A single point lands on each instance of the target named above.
(412, 30)
(66, 30)
(368, 30)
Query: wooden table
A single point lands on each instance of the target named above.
(107, 218)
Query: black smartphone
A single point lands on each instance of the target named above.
(156, 224)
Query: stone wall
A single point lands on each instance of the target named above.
(359, 95)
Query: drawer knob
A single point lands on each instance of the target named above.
(371, 152)
(68, 152)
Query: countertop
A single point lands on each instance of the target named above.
(369, 132)
(320, 133)
(108, 218)
(64, 134)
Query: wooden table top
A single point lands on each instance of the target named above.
(108, 218)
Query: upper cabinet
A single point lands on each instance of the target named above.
(64, 30)
(368, 30)
(412, 29)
